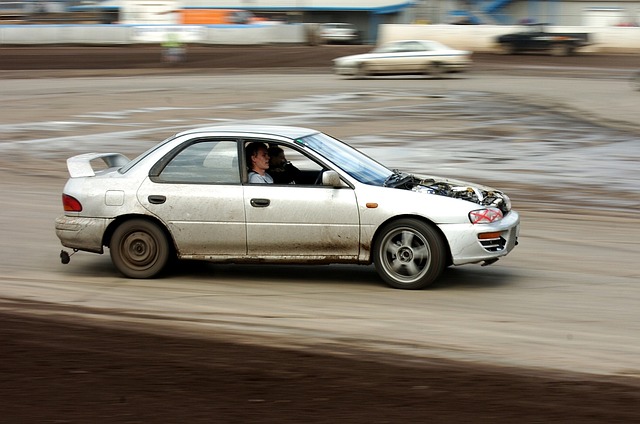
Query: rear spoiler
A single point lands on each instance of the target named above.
(80, 165)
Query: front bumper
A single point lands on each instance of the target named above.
(344, 69)
(466, 247)
(82, 233)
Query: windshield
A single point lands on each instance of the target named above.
(410, 46)
(356, 164)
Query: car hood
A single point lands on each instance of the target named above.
(356, 57)
(371, 55)
(456, 189)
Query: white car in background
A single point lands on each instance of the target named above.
(337, 32)
(189, 198)
(405, 57)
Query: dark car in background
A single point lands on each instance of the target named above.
(536, 38)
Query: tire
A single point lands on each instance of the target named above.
(507, 49)
(139, 249)
(560, 50)
(362, 71)
(435, 70)
(409, 254)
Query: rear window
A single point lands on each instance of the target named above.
(206, 162)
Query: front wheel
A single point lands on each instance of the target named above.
(409, 254)
(139, 249)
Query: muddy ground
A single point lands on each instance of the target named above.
(59, 371)
(146, 59)
(56, 370)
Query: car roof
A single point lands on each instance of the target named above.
(255, 130)
(410, 41)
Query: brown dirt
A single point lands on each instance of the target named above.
(54, 370)
(150, 57)
(61, 371)
(144, 59)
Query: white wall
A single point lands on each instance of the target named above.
(135, 34)
(478, 38)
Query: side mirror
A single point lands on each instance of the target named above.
(332, 179)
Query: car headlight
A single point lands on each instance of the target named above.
(506, 202)
(485, 216)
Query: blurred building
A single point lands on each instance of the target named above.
(365, 14)
(596, 13)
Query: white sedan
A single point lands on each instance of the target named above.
(189, 198)
(405, 57)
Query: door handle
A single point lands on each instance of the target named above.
(157, 199)
(260, 203)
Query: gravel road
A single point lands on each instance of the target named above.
(549, 334)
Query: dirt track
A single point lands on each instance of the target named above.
(76, 373)
(56, 370)
(142, 59)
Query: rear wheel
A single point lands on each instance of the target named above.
(507, 48)
(561, 50)
(139, 249)
(435, 70)
(409, 254)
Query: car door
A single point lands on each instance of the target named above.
(393, 59)
(196, 191)
(302, 220)
(417, 55)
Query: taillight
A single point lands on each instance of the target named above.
(71, 204)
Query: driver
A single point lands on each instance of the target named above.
(258, 162)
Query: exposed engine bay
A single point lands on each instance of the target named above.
(456, 189)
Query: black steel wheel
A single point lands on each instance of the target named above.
(409, 254)
(139, 249)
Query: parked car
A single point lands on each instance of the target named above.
(338, 32)
(535, 38)
(189, 198)
(405, 57)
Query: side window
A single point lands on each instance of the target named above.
(208, 162)
(416, 47)
(404, 47)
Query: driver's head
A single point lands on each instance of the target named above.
(257, 156)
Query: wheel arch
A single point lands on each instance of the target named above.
(378, 233)
(108, 234)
